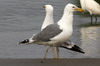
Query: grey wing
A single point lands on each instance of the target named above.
(47, 33)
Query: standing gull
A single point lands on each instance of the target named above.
(49, 20)
(92, 7)
(55, 35)
(49, 16)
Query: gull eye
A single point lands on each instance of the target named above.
(44, 6)
(73, 7)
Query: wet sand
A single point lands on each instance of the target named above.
(49, 62)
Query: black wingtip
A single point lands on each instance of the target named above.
(74, 48)
(77, 49)
(23, 42)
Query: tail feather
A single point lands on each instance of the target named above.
(74, 48)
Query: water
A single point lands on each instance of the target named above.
(19, 19)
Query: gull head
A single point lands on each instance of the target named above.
(48, 8)
(71, 8)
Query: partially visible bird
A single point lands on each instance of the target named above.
(55, 35)
(92, 7)
(47, 21)
(48, 17)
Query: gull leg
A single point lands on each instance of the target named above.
(53, 52)
(57, 49)
(91, 20)
(95, 20)
(46, 52)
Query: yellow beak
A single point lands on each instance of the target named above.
(79, 9)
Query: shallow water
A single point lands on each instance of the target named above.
(19, 19)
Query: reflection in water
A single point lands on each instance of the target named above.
(91, 41)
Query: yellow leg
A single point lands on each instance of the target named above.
(57, 50)
(46, 52)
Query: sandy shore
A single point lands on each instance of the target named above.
(50, 62)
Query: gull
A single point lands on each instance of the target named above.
(92, 7)
(55, 35)
(49, 16)
(49, 20)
